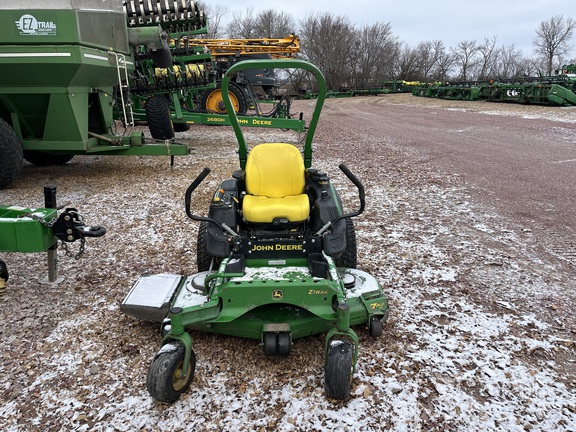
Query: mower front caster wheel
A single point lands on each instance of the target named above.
(375, 327)
(277, 344)
(339, 368)
(165, 381)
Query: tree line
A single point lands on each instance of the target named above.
(357, 57)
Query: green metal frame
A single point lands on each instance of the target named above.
(20, 232)
(241, 308)
(274, 64)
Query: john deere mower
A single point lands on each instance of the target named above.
(276, 260)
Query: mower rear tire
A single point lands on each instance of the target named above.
(203, 258)
(349, 257)
(158, 117)
(338, 369)
(164, 382)
(10, 154)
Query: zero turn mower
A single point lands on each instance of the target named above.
(276, 262)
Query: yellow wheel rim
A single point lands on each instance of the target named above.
(178, 380)
(214, 102)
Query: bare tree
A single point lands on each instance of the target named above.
(488, 57)
(509, 63)
(264, 24)
(443, 66)
(329, 42)
(429, 53)
(243, 24)
(408, 64)
(465, 58)
(272, 24)
(215, 15)
(553, 39)
(374, 50)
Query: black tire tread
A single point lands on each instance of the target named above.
(11, 156)
(161, 371)
(349, 257)
(40, 158)
(158, 117)
(338, 370)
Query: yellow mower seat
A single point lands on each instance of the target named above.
(275, 179)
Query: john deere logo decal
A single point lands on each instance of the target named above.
(29, 25)
(277, 294)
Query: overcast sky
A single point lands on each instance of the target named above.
(452, 21)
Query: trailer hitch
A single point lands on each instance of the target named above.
(20, 232)
(70, 227)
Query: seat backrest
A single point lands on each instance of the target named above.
(275, 170)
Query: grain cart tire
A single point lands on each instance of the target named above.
(338, 369)
(349, 256)
(10, 154)
(158, 117)
(40, 158)
(4, 271)
(212, 100)
(181, 127)
(164, 381)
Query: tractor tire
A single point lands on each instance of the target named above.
(338, 369)
(212, 100)
(11, 157)
(40, 158)
(349, 257)
(158, 117)
(164, 382)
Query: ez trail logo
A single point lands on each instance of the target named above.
(29, 25)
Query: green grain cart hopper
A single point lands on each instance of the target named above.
(64, 68)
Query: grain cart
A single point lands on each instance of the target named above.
(64, 67)
(276, 261)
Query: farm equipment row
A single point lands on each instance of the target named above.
(559, 89)
(78, 75)
(390, 86)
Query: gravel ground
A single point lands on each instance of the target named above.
(480, 337)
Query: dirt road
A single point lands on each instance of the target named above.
(525, 167)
